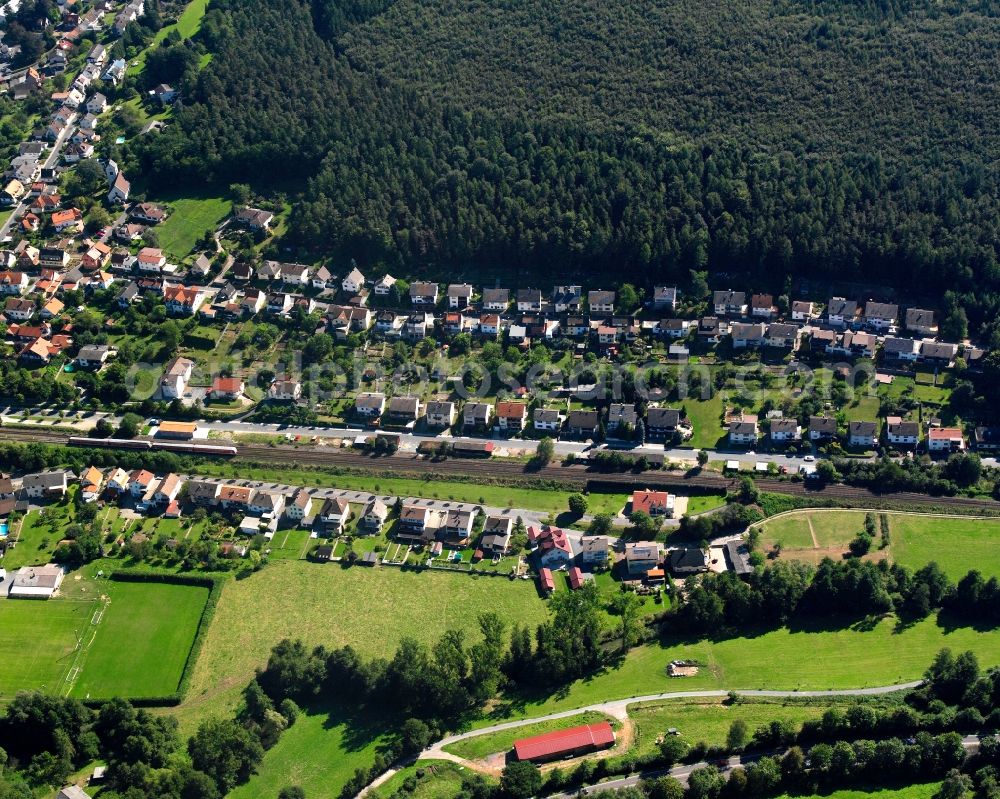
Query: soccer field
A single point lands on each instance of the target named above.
(142, 641)
(38, 639)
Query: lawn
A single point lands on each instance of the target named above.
(189, 218)
(40, 532)
(436, 779)
(706, 418)
(917, 791)
(700, 504)
(707, 720)
(482, 745)
(39, 639)
(319, 752)
(957, 544)
(187, 25)
(371, 609)
(143, 640)
(289, 544)
(807, 657)
(791, 531)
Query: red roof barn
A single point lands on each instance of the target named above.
(565, 743)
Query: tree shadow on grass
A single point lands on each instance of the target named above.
(950, 622)
(361, 726)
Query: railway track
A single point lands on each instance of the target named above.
(577, 477)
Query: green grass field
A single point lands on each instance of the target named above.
(40, 640)
(482, 745)
(706, 418)
(38, 536)
(957, 544)
(143, 640)
(436, 779)
(916, 791)
(187, 25)
(813, 657)
(708, 720)
(371, 609)
(319, 752)
(700, 504)
(189, 218)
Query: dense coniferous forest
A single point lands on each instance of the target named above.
(832, 139)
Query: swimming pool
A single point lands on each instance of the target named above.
(3, 529)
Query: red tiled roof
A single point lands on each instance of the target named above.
(563, 742)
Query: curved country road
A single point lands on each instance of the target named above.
(618, 709)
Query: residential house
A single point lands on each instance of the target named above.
(477, 416)
(920, 321)
(40, 582)
(94, 356)
(548, 419)
(690, 560)
(203, 492)
(322, 279)
(253, 219)
(151, 259)
(38, 353)
(583, 423)
(373, 517)
(227, 388)
(285, 390)
(822, 428)
(457, 528)
(861, 433)
(164, 94)
(459, 295)
(253, 302)
(418, 326)
(489, 325)
(404, 410)
(823, 340)
(762, 306)
(353, 282)
(729, 303)
(594, 550)
(13, 283)
(662, 423)
(175, 379)
(622, 420)
(268, 504)
(295, 274)
(96, 256)
(841, 312)
(567, 299)
(945, 439)
(551, 545)
(91, 482)
(279, 303)
(902, 433)
(139, 482)
(120, 190)
(938, 353)
(881, 316)
(986, 439)
(512, 416)
(383, 286)
(334, 515)
(577, 327)
(234, 497)
(641, 556)
(653, 503)
(783, 336)
(369, 404)
(18, 309)
(183, 300)
(415, 522)
(784, 430)
(601, 302)
(673, 328)
(496, 299)
(51, 309)
(496, 536)
(665, 297)
(900, 349)
(802, 311)
(69, 220)
(440, 413)
(168, 489)
(44, 484)
(423, 294)
(711, 329)
(747, 336)
(743, 429)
